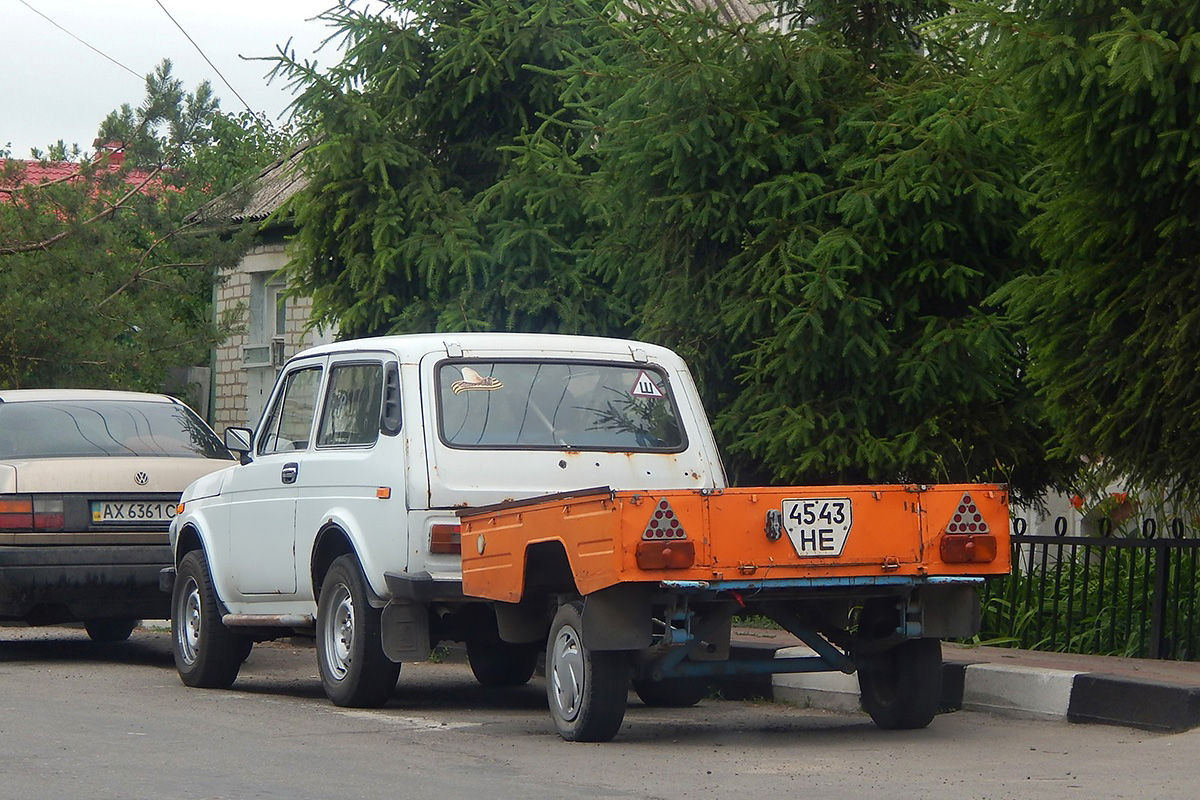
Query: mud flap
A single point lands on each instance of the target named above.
(948, 611)
(618, 618)
(404, 628)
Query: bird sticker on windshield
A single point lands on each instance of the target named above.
(645, 386)
(472, 381)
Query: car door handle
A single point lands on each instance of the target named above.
(290, 471)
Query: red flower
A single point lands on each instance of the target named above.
(1121, 498)
(1076, 501)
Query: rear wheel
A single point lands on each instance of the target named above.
(207, 654)
(110, 630)
(354, 670)
(902, 686)
(498, 664)
(587, 689)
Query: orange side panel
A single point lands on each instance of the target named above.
(761, 533)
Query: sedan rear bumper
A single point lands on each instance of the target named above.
(49, 584)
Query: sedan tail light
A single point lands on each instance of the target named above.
(22, 513)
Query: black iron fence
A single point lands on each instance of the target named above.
(1112, 595)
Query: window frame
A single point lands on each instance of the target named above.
(325, 405)
(270, 421)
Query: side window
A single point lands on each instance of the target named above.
(290, 421)
(352, 405)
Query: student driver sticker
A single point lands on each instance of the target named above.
(645, 386)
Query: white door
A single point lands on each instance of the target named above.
(353, 476)
(262, 494)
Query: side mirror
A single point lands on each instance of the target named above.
(238, 440)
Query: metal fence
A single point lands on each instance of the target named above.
(1111, 595)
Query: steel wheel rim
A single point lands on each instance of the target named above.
(339, 634)
(190, 616)
(566, 668)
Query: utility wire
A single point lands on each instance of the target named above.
(210, 63)
(82, 42)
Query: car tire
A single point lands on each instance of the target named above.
(354, 670)
(498, 664)
(207, 654)
(902, 686)
(110, 630)
(587, 689)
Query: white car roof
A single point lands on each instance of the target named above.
(43, 395)
(414, 346)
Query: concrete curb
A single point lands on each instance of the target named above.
(1026, 691)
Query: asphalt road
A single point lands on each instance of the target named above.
(80, 720)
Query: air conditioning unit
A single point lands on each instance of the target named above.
(256, 356)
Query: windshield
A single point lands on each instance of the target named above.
(556, 405)
(97, 428)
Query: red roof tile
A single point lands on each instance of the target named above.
(38, 172)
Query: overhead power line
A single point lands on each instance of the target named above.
(82, 42)
(209, 62)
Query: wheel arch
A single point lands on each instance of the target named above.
(332, 542)
(189, 539)
(547, 570)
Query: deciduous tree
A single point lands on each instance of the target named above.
(102, 283)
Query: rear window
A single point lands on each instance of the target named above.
(556, 405)
(99, 428)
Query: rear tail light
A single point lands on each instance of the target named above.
(25, 513)
(967, 538)
(16, 514)
(675, 554)
(445, 538)
(664, 543)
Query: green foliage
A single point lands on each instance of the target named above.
(815, 217)
(1110, 95)
(820, 237)
(419, 215)
(102, 284)
(1076, 601)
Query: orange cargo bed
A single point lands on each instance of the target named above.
(759, 537)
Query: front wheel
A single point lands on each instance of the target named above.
(902, 686)
(354, 670)
(207, 654)
(587, 689)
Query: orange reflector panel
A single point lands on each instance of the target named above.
(972, 548)
(445, 539)
(179, 508)
(663, 523)
(665, 554)
(383, 492)
(967, 518)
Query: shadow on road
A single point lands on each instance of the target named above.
(53, 645)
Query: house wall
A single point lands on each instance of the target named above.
(272, 331)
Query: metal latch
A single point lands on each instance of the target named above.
(774, 525)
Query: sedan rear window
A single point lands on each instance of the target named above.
(99, 428)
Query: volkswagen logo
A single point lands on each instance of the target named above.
(141, 479)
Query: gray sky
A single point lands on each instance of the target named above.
(53, 87)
